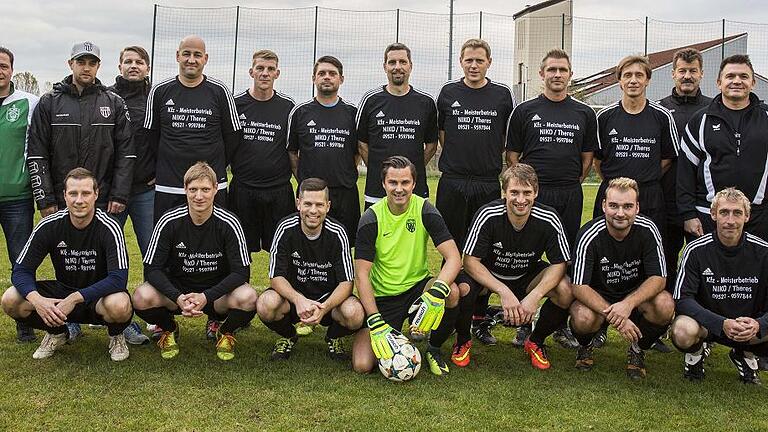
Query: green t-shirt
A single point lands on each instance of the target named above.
(397, 244)
(15, 115)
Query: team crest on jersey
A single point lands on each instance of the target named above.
(13, 114)
(105, 111)
(410, 225)
(716, 127)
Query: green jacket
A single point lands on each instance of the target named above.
(15, 116)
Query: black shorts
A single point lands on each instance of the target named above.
(395, 309)
(259, 211)
(166, 201)
(651, 203)
(459, 198)
(345, 207)
(519, 286)
(568, 201)
(83, 313)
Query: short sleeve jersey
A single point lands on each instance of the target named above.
(474, 121)
(509, 254)
(615, 268)
(397, 244)
(192, 122)
(396, 125)
(326, 140)
(197, 257)
(550, 136)
(80, 257)
(313, 267)
(633, 145)
(262, 160)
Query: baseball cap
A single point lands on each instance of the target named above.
(85, 48)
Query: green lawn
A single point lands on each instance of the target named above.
(80, 389)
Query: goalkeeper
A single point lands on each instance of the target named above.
(391, 272)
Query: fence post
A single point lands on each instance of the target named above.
(481, 25)
(154, 27)
(562, 33)
(646, 37)
(314, 45)
(397, 25)
(722, 43)
(234, 65)
(450, 39)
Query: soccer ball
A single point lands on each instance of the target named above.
(404, 365)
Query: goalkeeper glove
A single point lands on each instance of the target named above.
(430, 309)
(384, 338)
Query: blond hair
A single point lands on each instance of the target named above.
(266, 54)
(523, 173)
(623, 184)
(476, 43)
(199, 171)
(631, 60)
(731, 194)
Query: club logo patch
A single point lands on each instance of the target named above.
(105, 111)
(410, 225)
(13, 114)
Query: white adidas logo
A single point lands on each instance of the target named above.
(181, 246)
(604, 260)
(169, 102)
(295, 254)
(243, 117)
(498, 244)
(62, 244)
(707, 272)
(311, 123)
(535, 117)
(613, 132)
(455, 104)
(716, 127)
(380, 114)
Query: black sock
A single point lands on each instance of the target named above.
(236, 318)
(552, 317)
(584, 339)
(336, 330)
(438, 336)
(34, 321)
(159, 316)
(651, 332)
(481, 306)
(115, 329)
(215, 316)
(464, 319)
(284, 327)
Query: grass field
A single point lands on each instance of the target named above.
(80, 389)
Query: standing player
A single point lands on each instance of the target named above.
(720, 292)
(391, 271)
(396, 119)
(471, 114)
(311, 275)
(192, 117)
(503, 254)
(16, 206)
(322, 142)
(198, 263)
(637, 139)
(260, 193)
(87, 250)
(618, 277)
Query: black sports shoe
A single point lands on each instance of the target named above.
(24, 333)
(482, 332)
(600, 337)
(746, 365)
(762, 363)
(336, 349)
(693, 368)
(585, 358)
(635, 364)
(565, 338)
(283, 348)
(522, 334)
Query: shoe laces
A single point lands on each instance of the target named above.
(133, 329)
(283, 345)
(118, 342)
(213, 326)
(49, 341)
(226, 341)
(336, 346)
(637, 358)
(164, 341)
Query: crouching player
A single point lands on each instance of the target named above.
(311, 275)
(721, 292)
(392, 274)
(503, 254)
(90, 263)
(619, 274)
(197, 263)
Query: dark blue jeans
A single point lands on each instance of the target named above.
(16, 221)
(141, 209)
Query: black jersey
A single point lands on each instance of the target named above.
(261, 160)
(633, 145)
(313, 267)
(194, 124)
(326, 140)
(82, 258)
(615, 268)
(474, 121)
(396, 125)
(509, 254)
(550, 136)
(716, 282)
(211, 258)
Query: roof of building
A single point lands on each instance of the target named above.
(538, 6)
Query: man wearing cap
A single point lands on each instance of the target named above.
(81, 124)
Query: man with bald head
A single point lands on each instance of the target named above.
(193, 118)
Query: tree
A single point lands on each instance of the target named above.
(27, 82)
